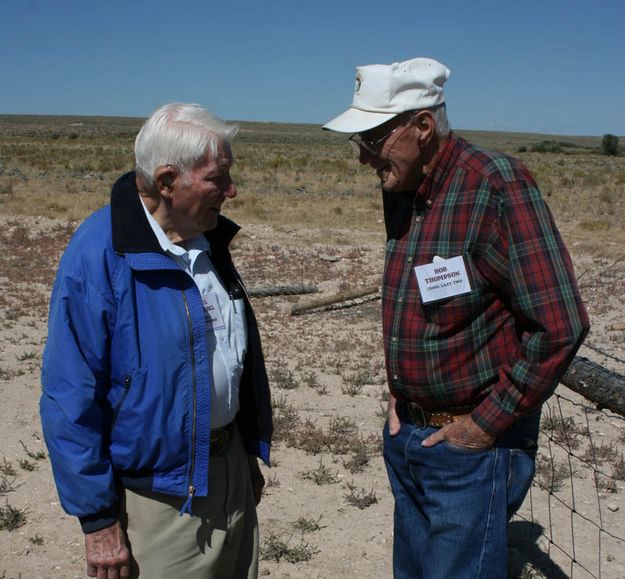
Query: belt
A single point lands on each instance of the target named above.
(422, 417)
(221, 437)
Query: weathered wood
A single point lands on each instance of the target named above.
(331, 300)
(262, 292)
(596, 383)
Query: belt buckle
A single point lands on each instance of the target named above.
(422, 417)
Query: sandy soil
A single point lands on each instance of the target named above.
(328, 386)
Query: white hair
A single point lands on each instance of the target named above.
(441, 121)
(178, 134)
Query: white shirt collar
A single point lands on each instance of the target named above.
(198, 243)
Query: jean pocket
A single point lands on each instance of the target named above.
(465, 449)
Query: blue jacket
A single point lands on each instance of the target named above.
(126, 371)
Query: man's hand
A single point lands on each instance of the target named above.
(256, 477)
(394, 425)
(463, 431)
(107, 554)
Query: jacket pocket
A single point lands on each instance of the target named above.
(126, 384)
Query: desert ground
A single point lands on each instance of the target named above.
(311, 217)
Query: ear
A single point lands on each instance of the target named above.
(164, 180)
(426, 127)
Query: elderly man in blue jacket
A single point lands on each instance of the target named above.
(155, 396)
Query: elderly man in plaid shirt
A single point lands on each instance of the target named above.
(481, 317)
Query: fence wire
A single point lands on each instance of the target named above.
(574, 505)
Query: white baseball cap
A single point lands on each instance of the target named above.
(382, 91)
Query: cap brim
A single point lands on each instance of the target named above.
(357, 121)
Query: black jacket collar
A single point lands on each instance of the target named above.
(132, 232)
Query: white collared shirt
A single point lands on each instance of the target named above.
(226, 328)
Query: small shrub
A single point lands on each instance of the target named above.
(352, 388)
(601, 454)
(282, 377)
(11, 518)
(359, 497)
(26, 465)
(359, 459)
(342, 426)
(307, 525)
(39, 455)
(309, 438)
(6, 468)
(322, 475)
(562, 430)
(550, 476)
(6, 485)
(275, 549)
(310, 379)
(272, 481)
(285, 421)
(355, 382)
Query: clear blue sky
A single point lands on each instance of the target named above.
(549, 66)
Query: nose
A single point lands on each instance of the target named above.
(230, 191)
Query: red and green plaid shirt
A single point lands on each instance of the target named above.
(503, 346)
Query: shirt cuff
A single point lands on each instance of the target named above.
(493, 419)
(99, 521)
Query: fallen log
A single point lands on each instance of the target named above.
(596, 383)
(291, 290)
(332, 300)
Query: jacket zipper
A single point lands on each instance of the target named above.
(126, 385)
(187, 506)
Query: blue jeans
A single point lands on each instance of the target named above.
(452, 504)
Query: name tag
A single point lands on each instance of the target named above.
(213, 311)
(442, 279)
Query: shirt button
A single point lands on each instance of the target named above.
(395, 377)
(401, 300)
(417, 218)
(409, 258)
(395, 338)
(429, 203)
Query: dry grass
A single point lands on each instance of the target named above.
(325, 216)
(287, 175)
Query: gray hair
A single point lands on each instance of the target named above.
(178, 134)
(440, 119)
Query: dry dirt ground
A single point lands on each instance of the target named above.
(327, 509)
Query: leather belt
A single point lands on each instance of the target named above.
(422, 417)
(221, 437)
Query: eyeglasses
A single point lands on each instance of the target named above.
(372, 147)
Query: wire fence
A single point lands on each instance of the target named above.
(572, 522)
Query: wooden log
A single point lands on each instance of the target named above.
(291, 290)
(596, 383)
(331, 300)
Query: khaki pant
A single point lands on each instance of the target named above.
(220, 540)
